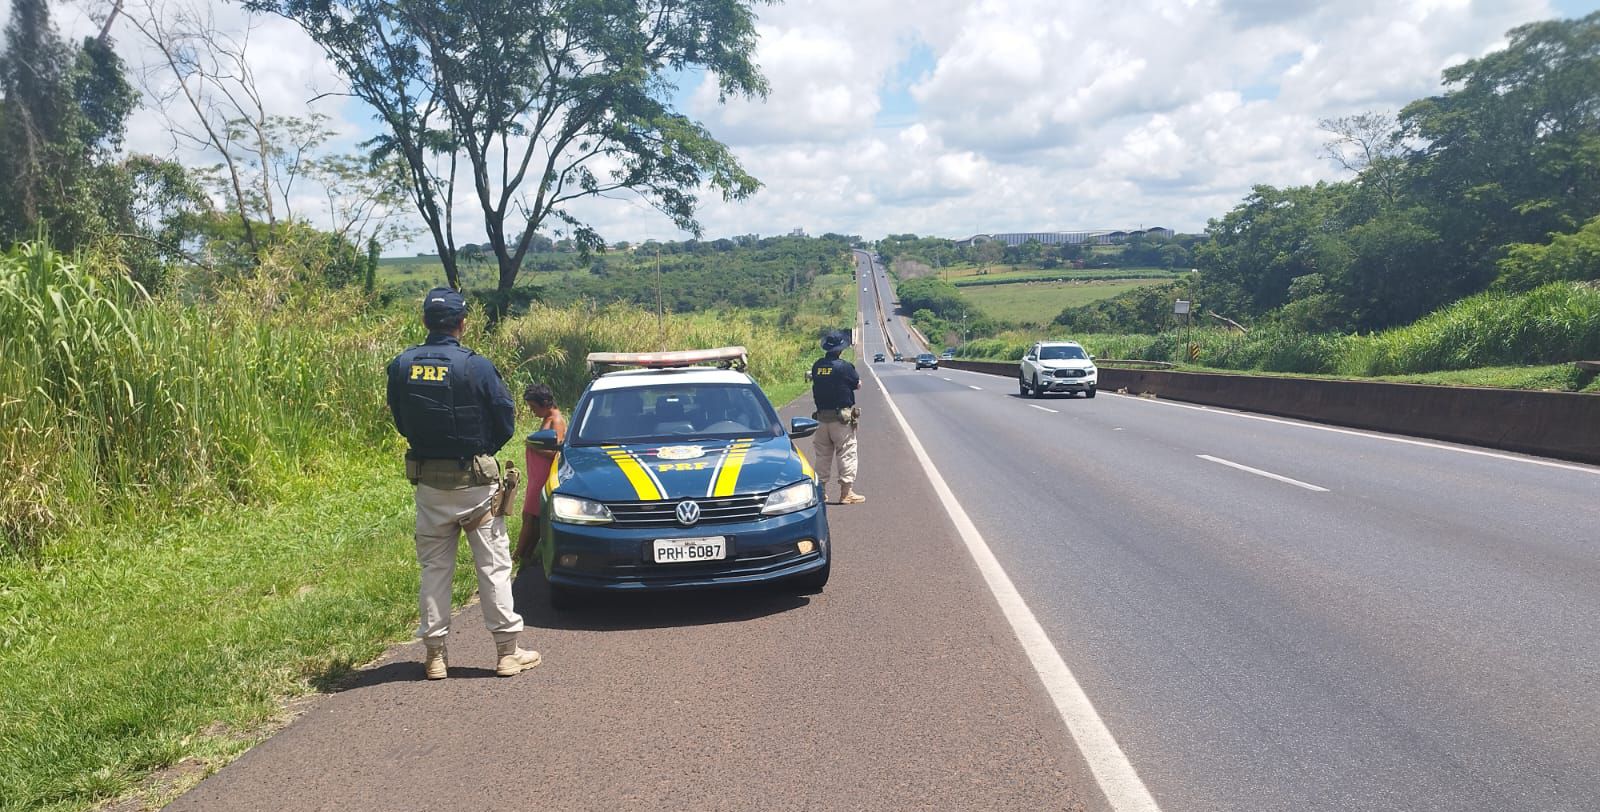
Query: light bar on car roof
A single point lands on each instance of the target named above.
(725, 357)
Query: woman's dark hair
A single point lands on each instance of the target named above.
(539, 394)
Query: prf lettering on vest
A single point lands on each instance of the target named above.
(428, 372)
(824, 370)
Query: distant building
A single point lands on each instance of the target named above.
(798, 232)
(1102, 236)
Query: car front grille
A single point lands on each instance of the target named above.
(723, 510)
(1070, 373)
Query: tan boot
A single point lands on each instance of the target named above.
(849, 496)
(514, 660)
(436, 665)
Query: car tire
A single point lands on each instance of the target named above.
(1022, 386)
(813, 582)
(1037, 392)
(1088, 393)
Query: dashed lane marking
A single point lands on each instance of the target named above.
(1043, 409)
(979, 388)
(1258, 472)
(1116, 776)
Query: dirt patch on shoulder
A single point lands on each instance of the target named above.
(910, 269)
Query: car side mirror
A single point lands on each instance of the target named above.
(1029, 357)
(1091, 358)
(544, 440)
(802, 427)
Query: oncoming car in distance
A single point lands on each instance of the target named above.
(877, 358)
(928, 360)
(679, 476)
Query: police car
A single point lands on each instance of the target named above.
(679, 474)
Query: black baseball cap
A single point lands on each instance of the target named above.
(443, 304)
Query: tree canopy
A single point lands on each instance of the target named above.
(540, 104)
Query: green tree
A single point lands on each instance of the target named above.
(61, 121)
(529, 99)
(1573, 257)
(1511, 151)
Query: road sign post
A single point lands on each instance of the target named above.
(1184, 308)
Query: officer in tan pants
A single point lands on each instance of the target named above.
(834, 382)
(455, 413)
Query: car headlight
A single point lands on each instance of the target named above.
(798, 496)
(579, 511)
(1090, 371)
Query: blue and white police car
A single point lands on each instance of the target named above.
(679, 474)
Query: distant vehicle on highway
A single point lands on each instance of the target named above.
(1057, 366)
(927, 360)
(877, 358)
(898, 357)
(947, 355)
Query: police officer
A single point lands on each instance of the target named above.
(834, 382)
(455, 413)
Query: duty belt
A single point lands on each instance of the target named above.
(449, 474)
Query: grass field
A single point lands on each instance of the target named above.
(1040, 302)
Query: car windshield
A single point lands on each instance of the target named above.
(709, 411)
(925, 357)
(1061, 353)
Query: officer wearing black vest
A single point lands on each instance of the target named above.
(455, 412)
(834, 382)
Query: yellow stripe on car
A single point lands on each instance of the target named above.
(805, 464)
(643, 484)
(554, 479)
(728, 476)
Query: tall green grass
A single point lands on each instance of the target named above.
(111, 401)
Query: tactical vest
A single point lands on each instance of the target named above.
(829, 389)
(440, 411)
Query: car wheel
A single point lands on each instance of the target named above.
(813, 581)
(1088, 393)
(1022, 387)
(1037, 392)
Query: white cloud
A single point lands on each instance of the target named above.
(1025, 114)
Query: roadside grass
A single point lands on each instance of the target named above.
(1040, 302)
(137, 645)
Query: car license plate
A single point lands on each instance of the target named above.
(680, 551)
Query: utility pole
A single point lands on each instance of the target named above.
(661, 321)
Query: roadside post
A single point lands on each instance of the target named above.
(1182, 308)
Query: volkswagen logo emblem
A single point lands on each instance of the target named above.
(688, 512)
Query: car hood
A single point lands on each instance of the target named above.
(643, 472)
(1067, 363)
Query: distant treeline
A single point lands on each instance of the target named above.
(695, 275)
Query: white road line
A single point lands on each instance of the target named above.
(1043, 409)
(979, 388)
(947, 379)
(1112, 771)
(1358, 433)
(1258, 472)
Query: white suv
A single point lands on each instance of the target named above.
(1057, 366)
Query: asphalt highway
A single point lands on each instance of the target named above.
(1272, 615)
